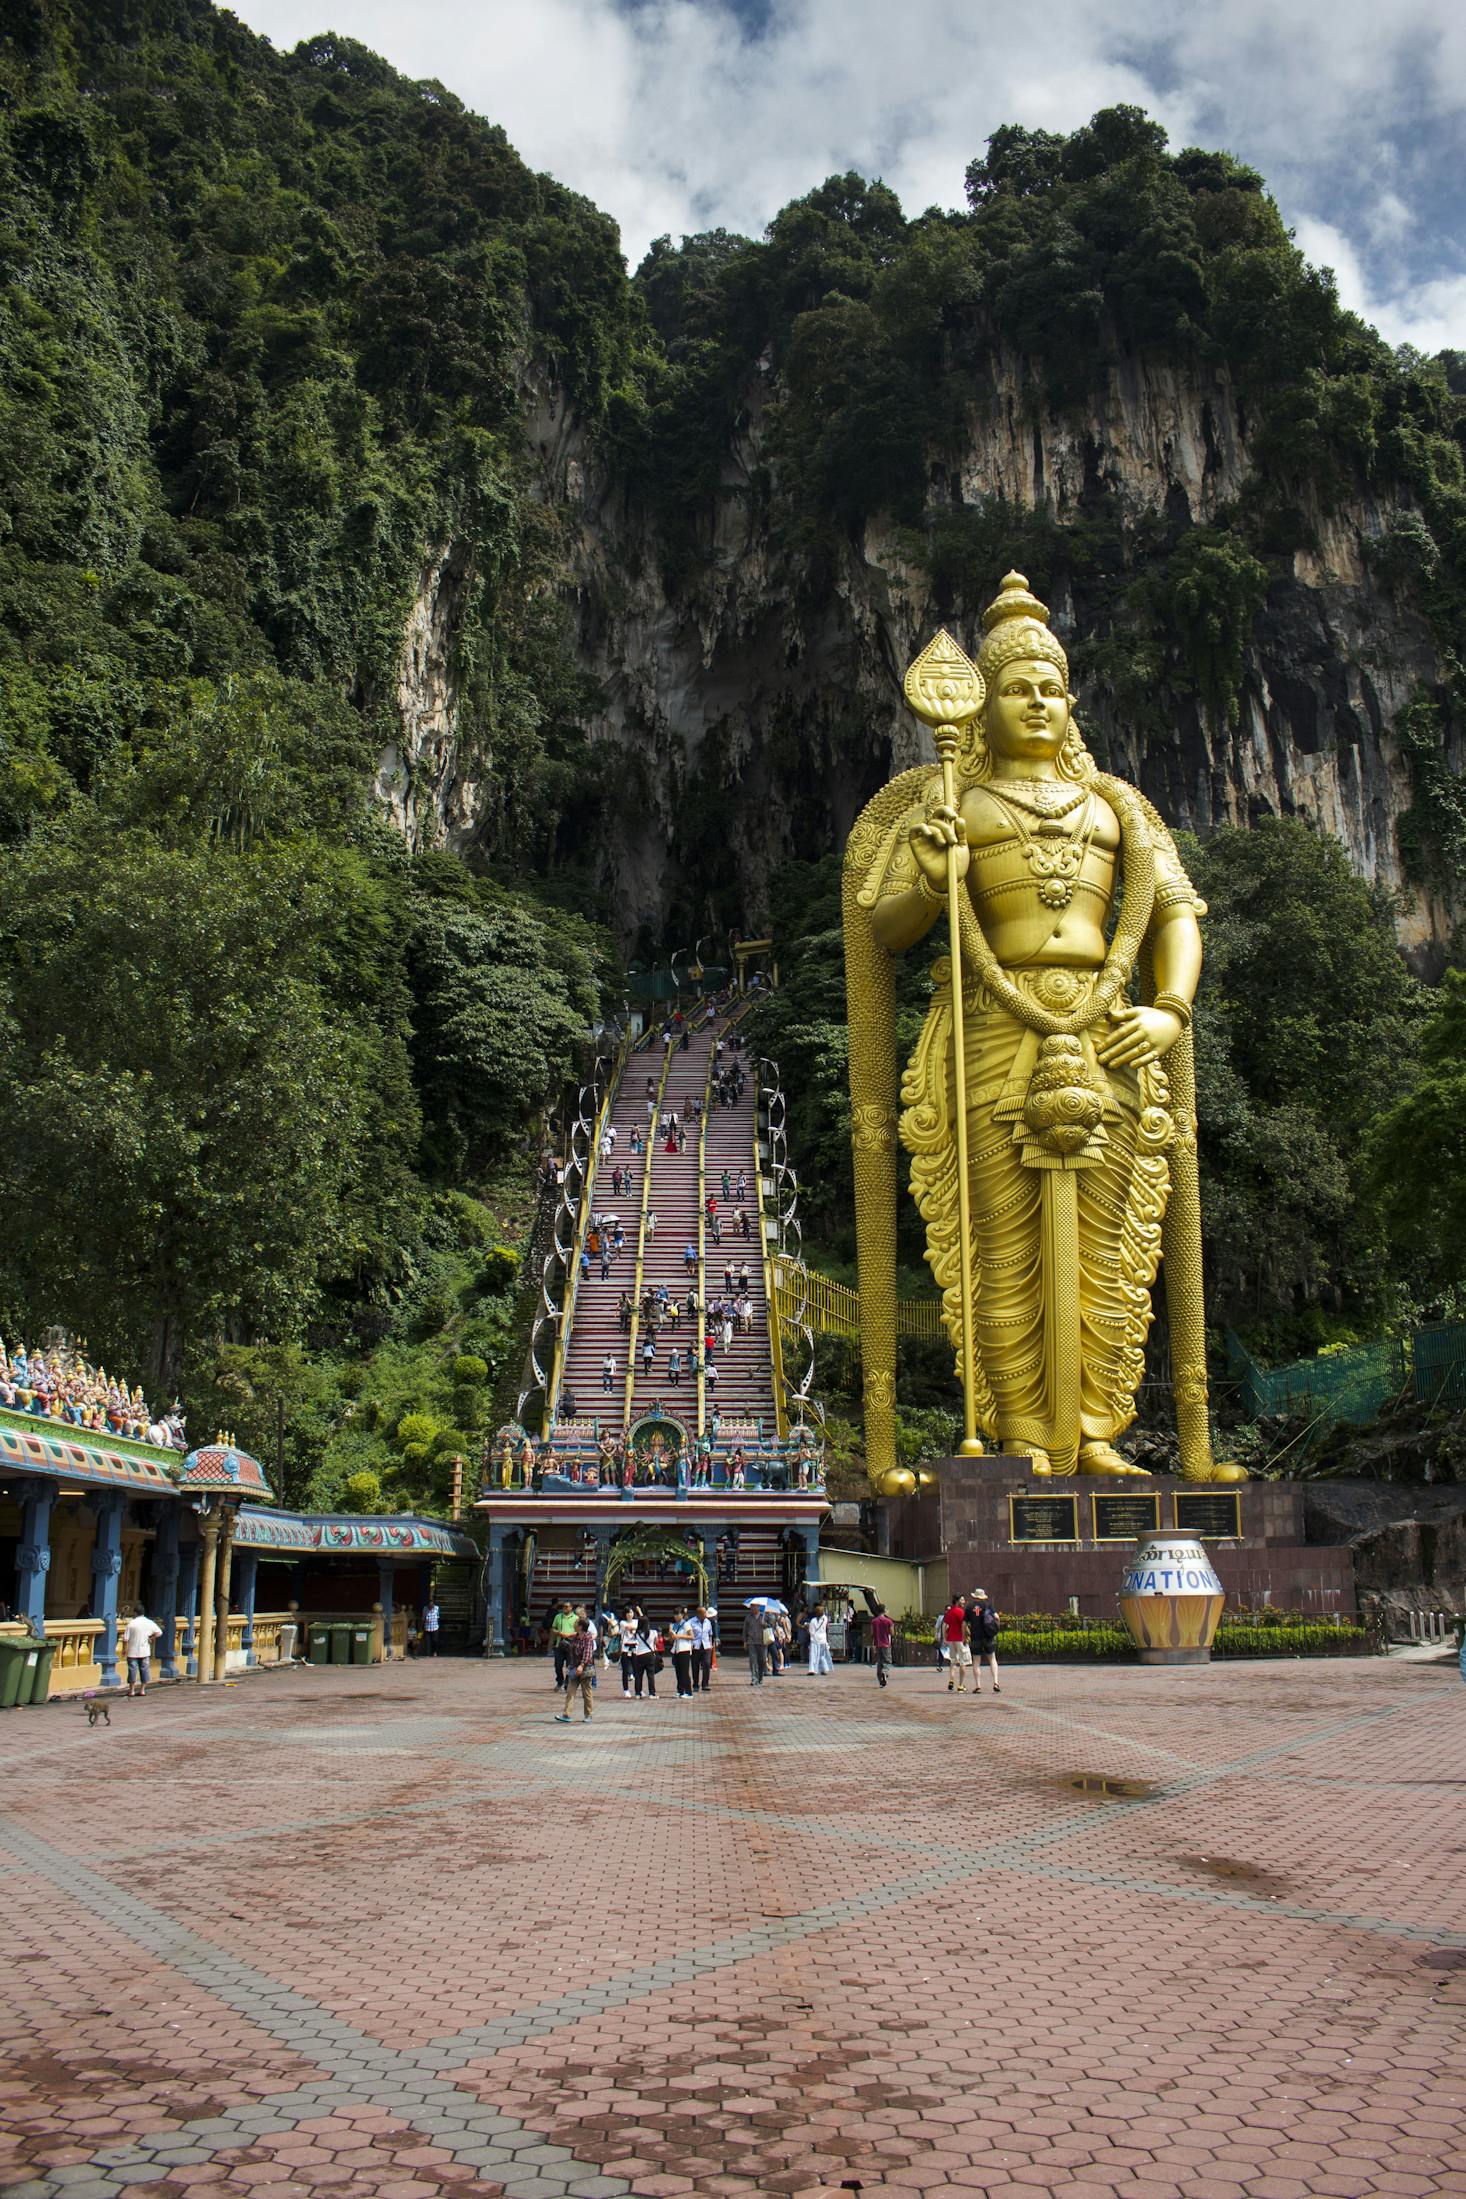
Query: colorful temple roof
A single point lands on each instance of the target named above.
(332, 1533)
(32, 1445)
(221, 1466)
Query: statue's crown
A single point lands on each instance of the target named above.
(1017, 626)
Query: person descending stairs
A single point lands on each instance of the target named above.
(683, 1197)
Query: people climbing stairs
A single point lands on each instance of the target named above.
(670, 1308)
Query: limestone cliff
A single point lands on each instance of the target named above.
(772, 691)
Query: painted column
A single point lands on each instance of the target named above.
(810, 1537)
(33, 1557)
(603, 1558)
(165, 1589)
(496, 1613)
(188, 1599)
(106, 1573)
(221, 1593)
(249, 1566)
(209, 1530)
(384, 1598)
(708, 1536)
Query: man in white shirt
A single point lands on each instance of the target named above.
(138, 1637)
(431, 1620)
(702, 1651)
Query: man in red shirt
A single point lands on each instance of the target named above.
(959, 1656)
(881, 1631)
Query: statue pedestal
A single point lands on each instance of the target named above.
(1046, 1545)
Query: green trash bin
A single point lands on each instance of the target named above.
(16, 1668)
(41, 1680)
(360, 1632)
(320, 1638)
(29, 1662)
(340, 1643)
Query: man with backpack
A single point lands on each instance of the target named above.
(982, 1628)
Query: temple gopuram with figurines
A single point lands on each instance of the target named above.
(105, 1512)
(675, 1455)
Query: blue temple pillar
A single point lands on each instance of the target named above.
(384, 1598)
(165, 1589)
(708, 1536)
(496, 1602)
(810, 1538)
(246, 1573)
(603, 1558)
(33, 1556)
(106, 1573)
(188, 1603)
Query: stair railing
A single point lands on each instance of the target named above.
(699, 1355)
(560, 1269)
(781, 1234)
(646, 1197)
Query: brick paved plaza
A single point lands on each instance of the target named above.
(394, 1932)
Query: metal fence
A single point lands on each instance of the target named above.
(834, 1309)
(1440, 1366)
(1356, 1385)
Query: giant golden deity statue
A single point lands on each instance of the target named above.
(1049, 1107)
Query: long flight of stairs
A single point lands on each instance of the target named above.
(680, 1183)
(752, 1560)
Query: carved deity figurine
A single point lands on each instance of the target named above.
(1077, 958)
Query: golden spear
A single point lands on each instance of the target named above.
(946, 691)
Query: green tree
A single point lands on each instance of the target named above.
(1417, 1153)
(1307, 1026)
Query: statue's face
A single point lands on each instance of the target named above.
(1027, 712)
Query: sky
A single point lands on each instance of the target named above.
(681, 115)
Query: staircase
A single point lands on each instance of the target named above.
(662, 1214)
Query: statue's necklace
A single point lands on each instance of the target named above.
(1040, 797)
(1053, 849)
(1137, 900)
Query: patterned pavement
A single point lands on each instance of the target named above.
(396, 1933)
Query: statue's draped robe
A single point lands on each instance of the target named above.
(1122, 1177)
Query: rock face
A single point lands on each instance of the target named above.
(1408, 1541)
(769, 687)
(418, 781)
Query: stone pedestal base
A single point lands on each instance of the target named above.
(1047, 1545)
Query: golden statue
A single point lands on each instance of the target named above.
(1051, 1192)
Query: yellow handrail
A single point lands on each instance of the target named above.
(773, 1304)
(702, 1237)
(835, 1308)
(582, 1223)
(646, 1194)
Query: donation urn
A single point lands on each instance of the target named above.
(1171, 1599)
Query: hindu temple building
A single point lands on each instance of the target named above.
(96, 1524)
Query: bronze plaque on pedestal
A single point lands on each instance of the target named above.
(1122, 1518)
(1043, 1519)
(1216, 1513)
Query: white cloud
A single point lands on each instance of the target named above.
(673, 120)
(1430, 315)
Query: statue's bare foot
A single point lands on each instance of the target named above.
(1039, 1462)
(1103, 1458)
(1218, 1472)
